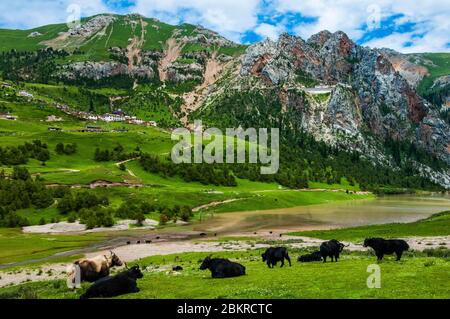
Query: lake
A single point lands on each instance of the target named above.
(381, 210)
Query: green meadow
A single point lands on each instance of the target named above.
(440, 66)
(16, 246)
(436, 225)
(416, 276)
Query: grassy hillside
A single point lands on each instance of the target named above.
(20, 40)
(436, 225)
(152, 33)
(440, 67)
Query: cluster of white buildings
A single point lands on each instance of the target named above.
(7, 116)
(117, 116)
(25, 94)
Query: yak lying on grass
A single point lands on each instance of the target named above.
(120, 284)
(273, 255)
(315, 256)
(222, 268)
(331, 249)
(387, 247)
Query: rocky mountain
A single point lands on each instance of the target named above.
(351, 97)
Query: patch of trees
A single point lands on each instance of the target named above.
(214, 174)
(116, 154)
(136, 210)
(91, 209)
(33, 66)
(94, 211)
(4, 108)
(437, 95)
(75, 202)
(67, 149)
(19, 191)
(18, 155)
(183, 213)
(150, 102)
(96, 217)
(403, 152)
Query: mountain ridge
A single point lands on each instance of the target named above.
(349, 96)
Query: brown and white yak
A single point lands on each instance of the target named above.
(92, 269)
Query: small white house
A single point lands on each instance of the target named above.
(25, 94)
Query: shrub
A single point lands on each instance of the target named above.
(20, 293)
(140, 218)
(72, 218)
(163, 219)
(186, 213)
(442, 252)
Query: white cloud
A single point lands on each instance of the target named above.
(34, 13)
(341, 15)
(431, 18)
(431, 31)
(231, 18)
(269, 31)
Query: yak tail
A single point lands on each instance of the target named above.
(71, 274)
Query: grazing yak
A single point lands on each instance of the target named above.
(273, 255)
(315, 256)
(222, 268)
(120, 284)
(94, 268)
(387, 247)
(331, 249)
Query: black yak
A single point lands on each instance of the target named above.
(273, 255)
(120, 284)
(387, 247)
(222, 268)
(315, 256)
(331, 249)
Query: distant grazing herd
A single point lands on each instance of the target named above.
(97, 269)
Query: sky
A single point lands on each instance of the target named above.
(403, 25)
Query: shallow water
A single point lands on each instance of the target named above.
(389, 209)
(334, 215)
